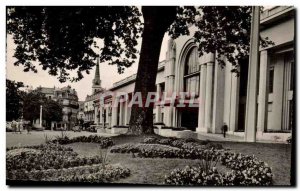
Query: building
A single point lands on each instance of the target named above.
(80, 113)
(89, 110)
(67, 97)
(222, 94)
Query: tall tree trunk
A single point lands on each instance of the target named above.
(156, 22)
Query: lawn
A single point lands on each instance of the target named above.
(153, 171)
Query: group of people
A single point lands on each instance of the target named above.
(18, 125)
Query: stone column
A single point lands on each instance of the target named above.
(96, 115)
(101, 113)
(41, 116)
(218, 101)
(114, 113)
(201, 118)
(52, 125)
(127, 112)
(121, 116)
(262, 117)
(251, 103)
(208, 97)
(158, 109)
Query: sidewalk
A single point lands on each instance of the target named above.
(231, 138)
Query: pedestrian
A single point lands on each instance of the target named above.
(28, 127)
(224, 129)
(19, 123)
(14, 126)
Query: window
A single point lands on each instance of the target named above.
(191, 73)
(271, 79)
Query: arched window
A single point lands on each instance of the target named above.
(192, 72)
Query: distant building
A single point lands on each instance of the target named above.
(80, 112)
(89, 110)
(68, 98)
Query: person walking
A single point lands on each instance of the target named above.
(19, 123)
(28, 125)
(14, 126)
(224, 129)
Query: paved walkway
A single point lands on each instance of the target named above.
(38, 137)
(219, 137)
(233, 138)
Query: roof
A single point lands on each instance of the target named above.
(46, 90)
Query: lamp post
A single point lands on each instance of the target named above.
(41, 115)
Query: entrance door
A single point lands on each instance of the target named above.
(243, 93)
(288, 97)
(189, 118)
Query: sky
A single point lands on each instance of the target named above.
(108, 73)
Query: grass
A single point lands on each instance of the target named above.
(152, 171)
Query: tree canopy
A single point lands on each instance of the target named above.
(14, 99)
(61, 38)
(52, 110)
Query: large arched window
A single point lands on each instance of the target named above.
(192, 72)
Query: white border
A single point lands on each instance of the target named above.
(4, 3)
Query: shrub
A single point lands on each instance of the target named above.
(104, 142)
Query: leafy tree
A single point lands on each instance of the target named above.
(61, 39)
(13, 99)
(52, 110)
(32, 102)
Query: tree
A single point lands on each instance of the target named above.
(52, 110)
(61, 39)
(13, 100)
(32, 102)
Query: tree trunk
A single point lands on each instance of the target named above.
(156, 22)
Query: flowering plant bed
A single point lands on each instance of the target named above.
(245, 169)
(89, 173)
(198, 176)
(104, 142)
(53, 162)
(23, 160)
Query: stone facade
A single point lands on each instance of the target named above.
(222, 95)
(67, 97)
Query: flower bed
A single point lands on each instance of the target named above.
(197, 176)
(137, 148)
(104, 142)
(182, 143)
(246, 169)
(93, 173)
(21, 161)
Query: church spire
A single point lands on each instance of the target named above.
(97, 72)
(97, 82)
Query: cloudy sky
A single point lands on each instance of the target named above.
(108, 73)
